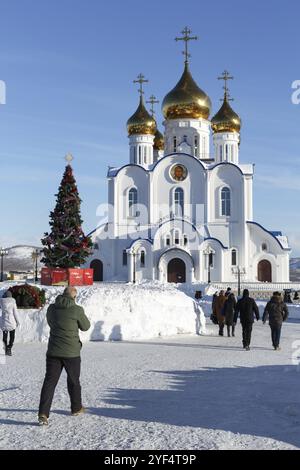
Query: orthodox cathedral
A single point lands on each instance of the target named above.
(180, 211)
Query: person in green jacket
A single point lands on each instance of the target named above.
(65, 319)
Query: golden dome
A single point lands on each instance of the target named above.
(141, 122)
(226, 120)
(159, 143)
(186, 100)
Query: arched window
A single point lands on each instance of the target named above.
(132, 202)
(176, 237)
(179, 202)
(227, 152)
(168, 240)
(124, 258)
(233, 257)
(196, 145)
(140, 155)
(264, 247)
(142, 259)
(225, 202)
(96, 246)
(145, 154)
(185, 240)
(221, 153)
(134, 155)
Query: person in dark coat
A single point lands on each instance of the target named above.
(228, 292)
(65, 318)
(213, 316)
(229, 311)
(277, 312)
(220, 301)
(246, 308)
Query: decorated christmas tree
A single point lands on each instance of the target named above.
(66, 246)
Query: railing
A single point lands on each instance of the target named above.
(261, 286)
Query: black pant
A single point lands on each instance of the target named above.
(54, 367)
(11, 338)
(228, 330)
(247, 330)
(276, 333)
(221, 329)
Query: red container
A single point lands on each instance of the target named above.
(59, 276)
(64, 277)
(75, 277)
(88, 277)
(46, 277)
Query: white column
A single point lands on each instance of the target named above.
(130, 267)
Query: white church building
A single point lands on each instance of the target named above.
(180, 211)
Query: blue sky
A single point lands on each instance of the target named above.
(69, 64)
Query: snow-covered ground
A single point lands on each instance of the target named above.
(185, 392)
(179, 392)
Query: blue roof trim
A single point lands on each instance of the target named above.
(177, 154)
(270, 233)
(175, 248)
(139, 239)
(227, 163)
(178, 220)
(218, 241)
(122, 168)
(276, 233)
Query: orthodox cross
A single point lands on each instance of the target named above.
(152, 100)
(186, 38)
(226, 76)
(140, 80)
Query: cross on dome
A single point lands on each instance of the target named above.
(152, 100)
(141, 80)
(226, 76)
(186, 38)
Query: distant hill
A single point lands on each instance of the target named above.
(19, 258)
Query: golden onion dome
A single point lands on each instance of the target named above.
(141, 122)
(186, 100)
(159, 143)
(226, 120)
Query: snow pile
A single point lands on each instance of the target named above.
(121, 312)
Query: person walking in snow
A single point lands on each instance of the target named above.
(246, 308)
(9, 321)
(65, 319)
(277, 312)
(200, 317)
(229, 311)
(220, 301)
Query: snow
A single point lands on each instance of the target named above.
(184, 392)
(170, 392)
(121, 311)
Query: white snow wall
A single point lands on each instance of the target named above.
(119, 312)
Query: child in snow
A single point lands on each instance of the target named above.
(9, 321)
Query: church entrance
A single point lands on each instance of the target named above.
(97, 266)
(176, 271)
(264, 271)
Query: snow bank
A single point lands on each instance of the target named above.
(120, 312)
